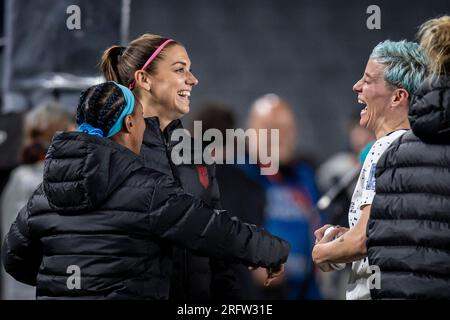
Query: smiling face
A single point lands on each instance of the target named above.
(172, 83)
(375, 94)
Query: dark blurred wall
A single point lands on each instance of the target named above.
(310, 52)
(45, 57)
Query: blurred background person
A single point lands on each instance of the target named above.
(290, 197)
(246, 202)
(40, 124)
(409, 226)
(240, 195)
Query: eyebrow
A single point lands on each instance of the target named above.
(180, 62)
(368, 75)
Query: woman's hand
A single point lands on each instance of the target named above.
(265, 276)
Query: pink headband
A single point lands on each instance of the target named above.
(152, 57)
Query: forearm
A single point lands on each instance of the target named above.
(347, 248)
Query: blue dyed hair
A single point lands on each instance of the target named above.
(405, 63)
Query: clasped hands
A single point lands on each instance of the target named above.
(265, 276)
(321, 238)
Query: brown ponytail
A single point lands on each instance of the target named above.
(110, 61)
(120, 63)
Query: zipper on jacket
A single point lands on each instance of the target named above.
(186, 269)
(185, 254)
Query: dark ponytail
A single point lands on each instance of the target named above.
(110, 61)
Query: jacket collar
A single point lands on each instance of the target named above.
(154, 137)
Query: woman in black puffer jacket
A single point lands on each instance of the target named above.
(409, 227)
(102, 225)
(158, 70)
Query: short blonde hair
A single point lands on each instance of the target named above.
(434, 37)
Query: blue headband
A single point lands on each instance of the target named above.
(129, 100)
(129, 106)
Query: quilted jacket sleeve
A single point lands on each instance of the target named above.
(21, 255)
(189, 222)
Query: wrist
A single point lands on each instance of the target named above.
(318, 254)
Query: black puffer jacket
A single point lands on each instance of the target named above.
(99, 209)
(192, 278)
(409, 227)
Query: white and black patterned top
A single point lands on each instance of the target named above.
(363, 195)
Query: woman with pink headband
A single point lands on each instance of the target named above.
(158, 71)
